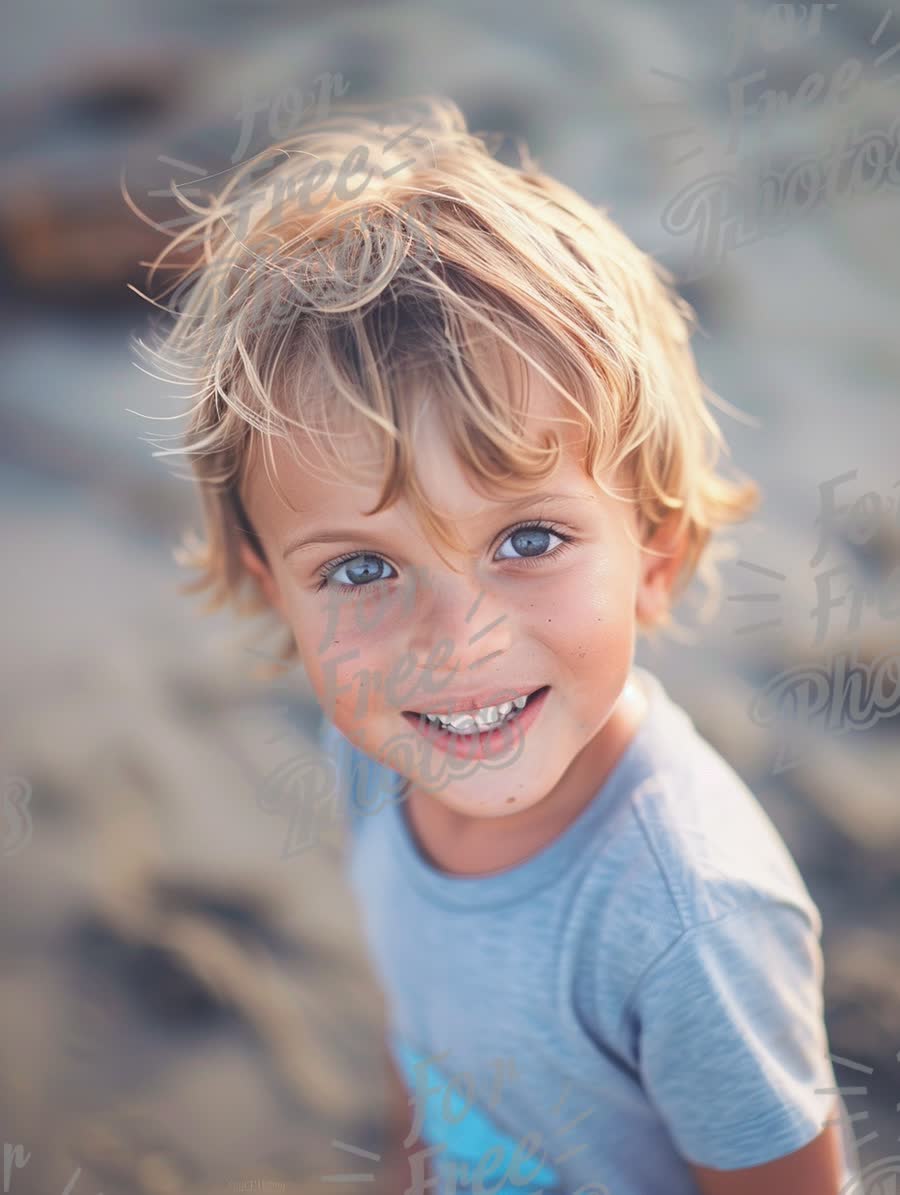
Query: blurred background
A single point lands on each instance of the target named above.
(186, 1000)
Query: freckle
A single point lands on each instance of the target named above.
(510, 800)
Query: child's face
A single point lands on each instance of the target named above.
(409, 634)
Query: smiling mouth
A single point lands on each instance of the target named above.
(418, 716)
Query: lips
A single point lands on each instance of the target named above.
(477, 701)
(491, 744)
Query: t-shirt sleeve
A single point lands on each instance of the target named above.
(732, 1043)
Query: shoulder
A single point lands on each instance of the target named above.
(709, 842)
(703, 835)
(686, 848)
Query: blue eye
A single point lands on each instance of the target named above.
(531, 539)
(363, 569)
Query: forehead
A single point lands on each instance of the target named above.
(314, 489)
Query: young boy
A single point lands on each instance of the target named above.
(449, 427)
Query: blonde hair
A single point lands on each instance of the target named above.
(328, 317)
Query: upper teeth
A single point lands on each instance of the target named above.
(487, 716)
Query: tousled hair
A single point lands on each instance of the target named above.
(314, 305)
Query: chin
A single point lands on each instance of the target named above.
(477, 797)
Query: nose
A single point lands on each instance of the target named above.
(459, 626)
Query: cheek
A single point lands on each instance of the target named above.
(369, 615)
(592, 635)
(348, 686)
(347, 648)
(590, 606)
(357, 620)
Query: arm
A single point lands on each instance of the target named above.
(813, 1170)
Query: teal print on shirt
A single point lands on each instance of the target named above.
(472, 1143)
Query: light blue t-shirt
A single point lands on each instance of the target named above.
(645, 989)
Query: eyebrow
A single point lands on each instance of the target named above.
(343, 536)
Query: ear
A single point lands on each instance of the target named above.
(661, 560)
(258, 567)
